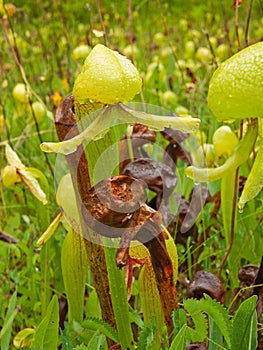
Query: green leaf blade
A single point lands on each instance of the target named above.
(65, 338)
(119, 300)
(46, 336)
(244, 326)
(179, 341)
(5, 333)
(150, 300)
(74, 269)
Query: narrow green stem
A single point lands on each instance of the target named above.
(248, 21)
(45, 282)
(44, 220)
(229, 236)
(254, 181)
(239, 156)
(229, 195)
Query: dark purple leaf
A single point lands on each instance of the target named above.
(175, 150)
(196, 346)
(158, 176)
(208, 283)
(141, 134)
(174, 136)
(247, 275)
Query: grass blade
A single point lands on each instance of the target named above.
(5, 333)
(46, 336)
(244, 326)
(74, 269)
(119, 300)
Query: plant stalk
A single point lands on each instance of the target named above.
(117, 288)
(248, 21)
(232, 227)
(233, 212)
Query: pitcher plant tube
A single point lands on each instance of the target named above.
(235, 93)
(107, 81)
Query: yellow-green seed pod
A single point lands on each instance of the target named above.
(22, 93)
(106, 77)
(81, 52)
(224, 140)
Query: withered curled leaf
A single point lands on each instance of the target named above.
(247, 275)
(159, 178)
(113, 202)
(115, 207)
